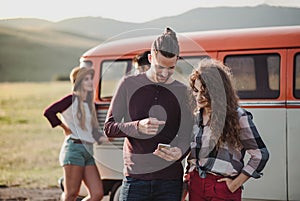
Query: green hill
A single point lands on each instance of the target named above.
(39, 54)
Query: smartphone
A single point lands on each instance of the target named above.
(162, 145)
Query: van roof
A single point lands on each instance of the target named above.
(217, 40)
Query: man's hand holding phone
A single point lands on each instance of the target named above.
(165, 151)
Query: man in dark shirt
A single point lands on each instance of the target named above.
(148, 109)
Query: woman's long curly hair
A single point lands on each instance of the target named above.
(217, 87)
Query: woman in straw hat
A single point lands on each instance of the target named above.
(79, 123)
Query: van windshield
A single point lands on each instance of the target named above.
(113, 71)
(111, 74)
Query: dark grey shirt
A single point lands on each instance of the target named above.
(138, 98)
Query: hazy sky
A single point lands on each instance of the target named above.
(123, 10)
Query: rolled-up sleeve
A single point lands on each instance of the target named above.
(57, 107)
(253, 145)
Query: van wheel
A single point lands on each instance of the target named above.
(115, 192)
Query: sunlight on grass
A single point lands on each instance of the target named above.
(29, 147)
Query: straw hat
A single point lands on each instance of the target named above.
(78, 73)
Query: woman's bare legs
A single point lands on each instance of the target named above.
(93, 183)
(73, 176)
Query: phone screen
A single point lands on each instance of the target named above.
(166, 146)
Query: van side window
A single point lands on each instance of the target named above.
(111, 74)
(185, 66)
(297, 76)
(256, 76)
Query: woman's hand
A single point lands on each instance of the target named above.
(229, 182)
(171, 154)
(67, 130)
(235, 184)
(103, 139)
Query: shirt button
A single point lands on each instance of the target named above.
(155, 98)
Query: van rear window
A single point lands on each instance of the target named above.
(256, 76)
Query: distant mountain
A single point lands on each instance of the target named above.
(43, 49)
(25, 23)
(231, 17)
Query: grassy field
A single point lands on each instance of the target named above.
(29, 147)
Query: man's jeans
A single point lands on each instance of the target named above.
(148, 190)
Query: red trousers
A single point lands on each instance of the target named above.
(208, 189)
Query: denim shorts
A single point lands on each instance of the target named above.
(76, 154)
(148, 190)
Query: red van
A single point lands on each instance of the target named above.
(266, 66)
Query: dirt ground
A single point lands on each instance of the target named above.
(20, 194)
(32, 194)
(48, 194)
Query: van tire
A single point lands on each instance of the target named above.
(115, 192)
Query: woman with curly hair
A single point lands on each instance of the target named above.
(223, 133)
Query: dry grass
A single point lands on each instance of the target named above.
(29, 147)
